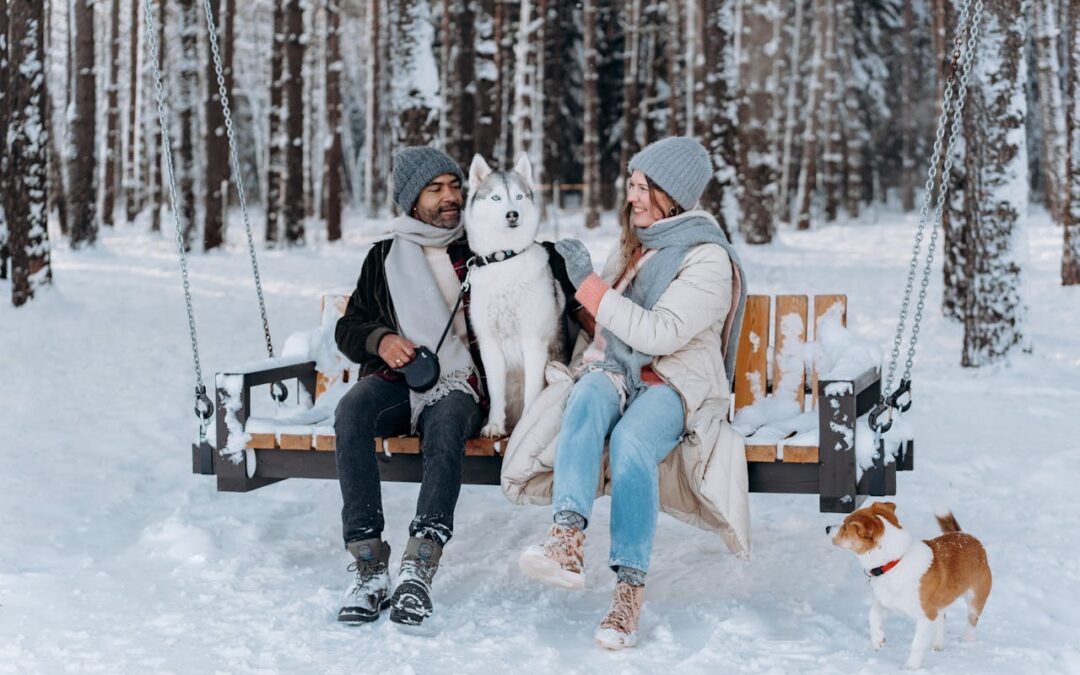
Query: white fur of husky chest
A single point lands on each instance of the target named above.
(515, 304)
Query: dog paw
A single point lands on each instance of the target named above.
(493, 430)
(938, 647)
(877, 643)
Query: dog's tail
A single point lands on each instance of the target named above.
(946, 520)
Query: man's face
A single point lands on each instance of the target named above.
(440, 201)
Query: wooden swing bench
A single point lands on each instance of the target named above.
(827, 469)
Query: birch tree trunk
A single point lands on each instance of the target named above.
(528, 86)
(756, 156)
(591, 196)
(276, 162)
(1051, 107)
(996, 198)
(293, 207)
(1070, 259)
(216, 147)
(113, 152)
(28, 136)
(84, 177)
(334, 182)
(131, 189)
(807, 173)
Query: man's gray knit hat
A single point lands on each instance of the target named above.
(679, 165)
(415, 167)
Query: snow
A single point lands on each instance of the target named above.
(117, 559)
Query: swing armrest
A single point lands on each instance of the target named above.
(272, 370)
(864, 387)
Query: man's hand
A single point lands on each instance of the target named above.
(396, 351)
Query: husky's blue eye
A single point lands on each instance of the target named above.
(495, 198)
(519, 197)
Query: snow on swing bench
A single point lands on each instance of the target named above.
(805, 432)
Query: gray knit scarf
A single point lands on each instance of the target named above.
(672, 238)
(421, 310)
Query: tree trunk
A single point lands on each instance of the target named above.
(216, 146)
(830, 132)
(162, 187)
(276, 161)
(1051, 107)
(591, 196)
(807, 173)
(371, 82)
(5, 154)
(333, 113)
(675, 43)
(996, 198)
(853, 135)
(528, 86)
(189, 122)
(293, 207)
(28, 136)
(714, 125)
(113, 153)
(1070, 259)
(131, 191)
(82, 169)
(784, 201)
(459, 82)
(907, 111)
(631, 91)
(756, 156)
(485, 46)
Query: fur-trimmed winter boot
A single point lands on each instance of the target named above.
(559, 561)
(411, 602)
(367, 592)
(618, 629)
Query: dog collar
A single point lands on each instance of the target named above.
(878, 571)
(497, 256)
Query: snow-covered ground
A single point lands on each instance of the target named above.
(115, 558)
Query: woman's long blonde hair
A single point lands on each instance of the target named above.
(628, 241)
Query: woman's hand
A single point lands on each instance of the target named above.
(578, 262)
(395, 350)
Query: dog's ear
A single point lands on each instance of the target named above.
(478, 171)
(523, 168)
(888, 506)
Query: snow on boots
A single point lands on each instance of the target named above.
(559, 561)
(411, 602)
(367, 593)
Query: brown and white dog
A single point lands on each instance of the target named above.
(917, 578)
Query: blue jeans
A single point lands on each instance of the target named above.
(375, 407)
(640, 439)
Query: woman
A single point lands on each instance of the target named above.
(666, 310)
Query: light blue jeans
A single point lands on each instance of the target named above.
(640, 439)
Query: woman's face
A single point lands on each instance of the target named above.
(645, 210)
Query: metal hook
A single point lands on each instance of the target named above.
(279, 392)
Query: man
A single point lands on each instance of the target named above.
(408, 286)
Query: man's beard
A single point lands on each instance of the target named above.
(445, 217)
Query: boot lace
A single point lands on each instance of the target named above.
(623, 615)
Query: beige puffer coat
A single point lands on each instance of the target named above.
(704, 480)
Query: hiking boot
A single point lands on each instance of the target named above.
(559, 561)
(618, 629)
(367, 592)
(411, 602)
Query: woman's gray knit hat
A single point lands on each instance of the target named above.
(680, 165)
(415, 167)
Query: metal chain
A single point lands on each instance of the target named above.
(969, 58)
(237, 176)
(203, 407)
(963, 57)
(928, 195)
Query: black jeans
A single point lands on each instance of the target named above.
(375, 407)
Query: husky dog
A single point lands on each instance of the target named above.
(515, 304)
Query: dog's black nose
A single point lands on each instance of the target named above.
(512, 216)
(828, 529)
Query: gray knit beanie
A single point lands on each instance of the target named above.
(679, 165)
(415, 167)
